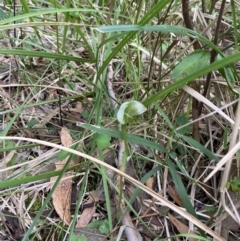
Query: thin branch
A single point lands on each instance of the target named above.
(196, 45)
(213, 55)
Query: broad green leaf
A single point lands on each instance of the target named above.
(104, 227)
(234, 184)
(32, 123)
(85, 114)
(3, 14)
(190, 64)
(74, 237)
(181, 121)
(103, 140)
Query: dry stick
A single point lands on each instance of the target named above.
(164, 201)
(212, 6)
(213, 55)
(203, 6)
(196, 45)
(187, 21)
(195, 103)
(130, 230)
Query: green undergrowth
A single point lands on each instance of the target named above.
(64, 59)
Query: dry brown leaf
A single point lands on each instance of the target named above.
(87, 213)
(62, 198)
(78, 108)
(66, 138)
(172, 192)
(182, 228)
(62, 194)
(150, 182)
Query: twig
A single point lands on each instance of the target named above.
(213, 55)
(195, 103)
(187, 21)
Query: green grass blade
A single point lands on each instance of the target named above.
(66, 19)
(44, 55)
(200, 147)
(182, 191)
(36, 13)
(158, 28)
(180, 188)
(12, 120)
(16, 182)
(130, 138)
(147, 17)
(178, 84)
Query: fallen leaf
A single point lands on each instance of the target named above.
(78, 108)
(66, 138)
(62, 198)
(88, 213)
(150, 182)
(182, 228)
(174, 195)
(63, 192)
